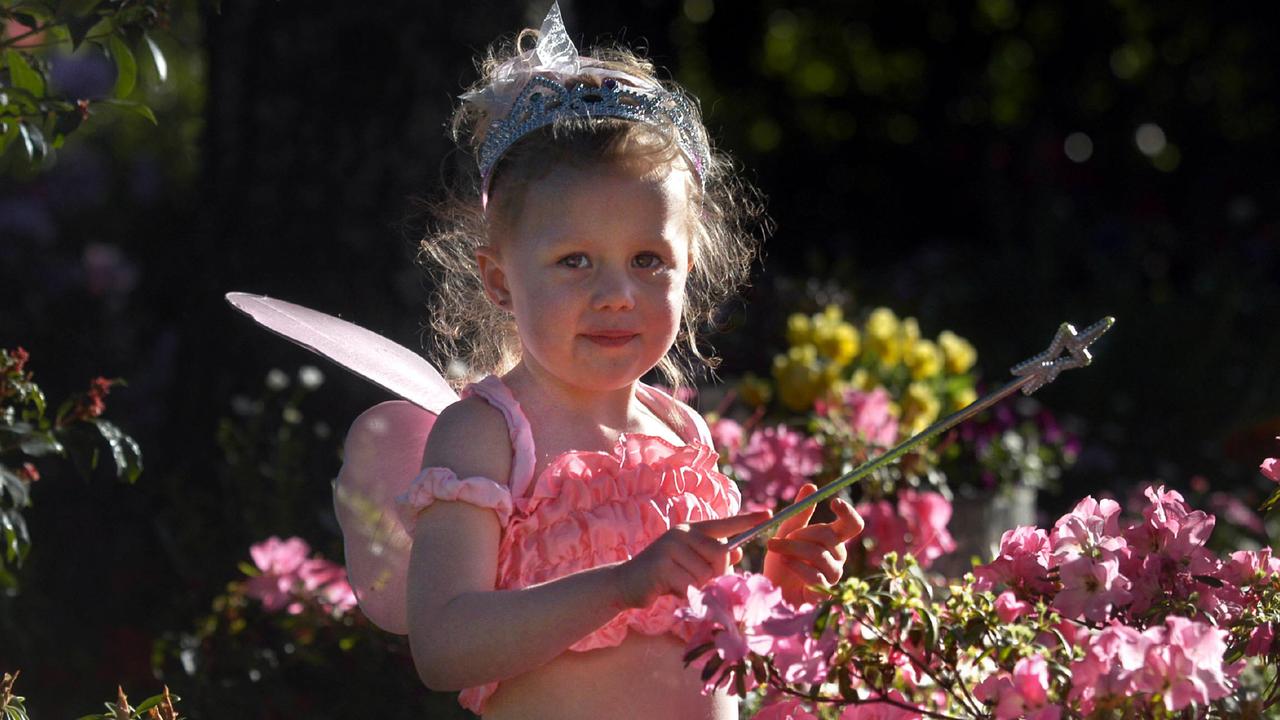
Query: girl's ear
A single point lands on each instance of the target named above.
(493, 277)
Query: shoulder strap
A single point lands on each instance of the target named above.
(523, 460)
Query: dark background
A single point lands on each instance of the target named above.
(912, 153)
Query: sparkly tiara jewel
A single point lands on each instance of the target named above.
(545, 84)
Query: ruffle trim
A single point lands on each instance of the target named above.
(440, 483)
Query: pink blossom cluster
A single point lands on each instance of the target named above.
(915, 523)
(288, 578)
(1023, 693)
(1181, 661)
(867, 414)
(1091, 568)
(1109, 580)
(736, 615)
(771, 464)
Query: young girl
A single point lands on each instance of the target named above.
(564, 508)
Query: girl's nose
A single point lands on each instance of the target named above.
(613, 291)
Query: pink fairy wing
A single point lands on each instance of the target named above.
(363, 352)
(381, 457)
(383, 449)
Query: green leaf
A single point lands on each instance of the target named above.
(132, 106)
(41, 444)
(17, 489)
(22, 75)
(153, 701)
(124, 450)
(126, 67)
(157, 57)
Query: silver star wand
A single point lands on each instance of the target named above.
(1031, 375)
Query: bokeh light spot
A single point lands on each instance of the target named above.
(1150, 139)
(1078, 147)
(699, 11)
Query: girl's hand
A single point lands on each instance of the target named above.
(801, 556)
(682, 556)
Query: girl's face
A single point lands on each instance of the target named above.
(593, 266)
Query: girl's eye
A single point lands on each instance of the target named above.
(647, 261)
(576, 261)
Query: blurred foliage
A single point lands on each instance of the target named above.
(35, 114)
(76, 433)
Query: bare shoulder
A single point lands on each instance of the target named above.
(471, 438)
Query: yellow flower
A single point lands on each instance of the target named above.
(832, 314)
(862, 380)
(959, 353)
(920, 407)
(963, 398)
(924, 359)
(798, 376)
(882, 334)
(799, 330)
(837, 340)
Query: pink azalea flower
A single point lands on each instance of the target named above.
(1184, 663)
(1010, 608)
(729, 612)
(918, 525)
(279, 562)
(785, 710)
(1271, 469)
(880, 710)
(870, 417)
(1022, 563)
(727, 434)
(1022, 694)
(1249, 567)
(1091, 588)
(802, 658)
(1110, 659)
(1261, 641)
(774, 464)
(1091, 528)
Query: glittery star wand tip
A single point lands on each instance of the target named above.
(1045, 367)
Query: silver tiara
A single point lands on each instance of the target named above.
(549, 79)
(544, 101)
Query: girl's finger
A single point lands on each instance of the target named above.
(692, 561)
(848, 523)
(725, 527)
(807, 552)
(808, 575)
(826, 562)
(800, 519)
(735, 557)
(820, 534)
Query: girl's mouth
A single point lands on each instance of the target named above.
(611, 340)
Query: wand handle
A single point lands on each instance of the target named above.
(1031, 375)
(888, 457)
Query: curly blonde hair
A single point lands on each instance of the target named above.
(473, 337)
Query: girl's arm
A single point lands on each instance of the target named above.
(463, 632)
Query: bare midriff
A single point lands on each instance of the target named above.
(643, 677)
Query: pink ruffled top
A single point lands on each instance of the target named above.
(588, 508)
